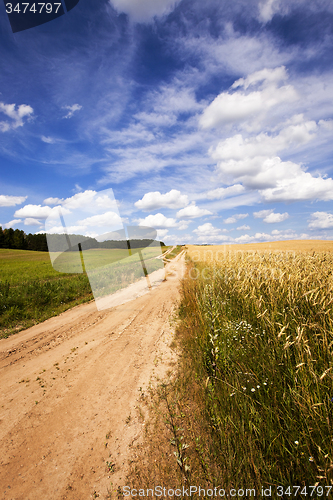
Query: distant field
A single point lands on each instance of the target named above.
(213, 252)
(98, 257)
(31, 290)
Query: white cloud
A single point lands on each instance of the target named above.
(11, 201)
(246, 238)
(4, 126)
(132, 134)
(192, 212)
(243, 228)
(285, 234)
(72, 109)
(264, 75)
(235, 218)
(155, 200)
(31, 222)
(174, 99)
(101, 220)
(161, 233)
(12, 223)
(48, 140)
(253, 162)
(17, 115)
(38, 212)
(275, 217)
(221, 193)
(208, 233)
(270, 217)
(296, 132)
(158, 221)
(303, 186)
(237, 107)
(53, 201)
(267, 9)
(321, 220)
(69, 230)
(90, 200)
(262, 213)
(144, 10)
(156, 119)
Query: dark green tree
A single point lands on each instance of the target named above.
(9, 238)
(18, 239)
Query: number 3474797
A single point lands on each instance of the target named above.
(36, 8)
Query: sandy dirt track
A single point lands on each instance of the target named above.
(69, 382)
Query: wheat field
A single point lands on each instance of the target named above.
(263, 346)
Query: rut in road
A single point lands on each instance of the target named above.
(70, 392)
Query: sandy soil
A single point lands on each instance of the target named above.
(72, 391)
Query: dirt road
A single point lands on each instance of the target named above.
(71, 395)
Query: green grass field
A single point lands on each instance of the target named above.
(31, 290)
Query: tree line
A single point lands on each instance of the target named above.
(19, 240)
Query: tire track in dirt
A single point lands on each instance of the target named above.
(71, 389)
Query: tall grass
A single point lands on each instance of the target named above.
(258, 328)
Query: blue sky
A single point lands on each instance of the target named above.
(211, 121)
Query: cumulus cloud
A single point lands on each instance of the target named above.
(192, 212)
(69, 230)
(270, 216)
(235, 218)
(303, 186)
(38, 212)
(101, 220)
(286, 234)
(275, 217)
(246, 238)
(262, 213)
(161, 233)
(238, 106)
(17, 115)
(208, 233)
(269, 76)
(155, 200)
(243, 228)
(297, 131)
(320, 220)
(11, 201)
(158, 221)
(31, 222)
(144, 10)
(82, 211)
(254, 163)
(221, 193)
(72, 109)
(275, 235)
(90, 200)
(53, 201)
(12, 223)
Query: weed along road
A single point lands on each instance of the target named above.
(72, 391)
